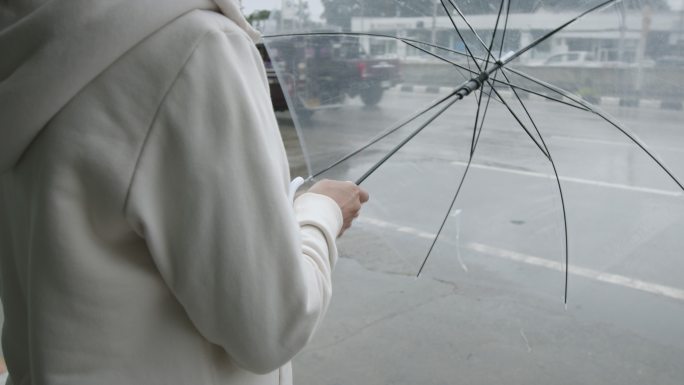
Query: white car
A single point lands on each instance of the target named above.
(573, 59)
(588, 59)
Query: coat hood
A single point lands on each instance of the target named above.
(51, 49)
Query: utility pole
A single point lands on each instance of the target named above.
(680, 37)
(623, 32)
(363, 16)
(433, 37)
(646, 20)
(300, 14)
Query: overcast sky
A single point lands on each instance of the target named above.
(676, 4)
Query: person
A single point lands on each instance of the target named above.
(146, 234)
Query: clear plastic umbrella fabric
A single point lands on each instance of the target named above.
(526, 157)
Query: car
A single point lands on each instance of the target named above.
(572, 59)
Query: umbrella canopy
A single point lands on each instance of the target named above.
(542, 133)
(570, 57)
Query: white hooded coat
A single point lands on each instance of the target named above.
(146, 236)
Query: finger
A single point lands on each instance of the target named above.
(356, 206)
(363, 195)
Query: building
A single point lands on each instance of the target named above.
(610, 36)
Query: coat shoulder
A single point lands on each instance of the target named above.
(197, 24)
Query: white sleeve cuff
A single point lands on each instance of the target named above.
(323, 213)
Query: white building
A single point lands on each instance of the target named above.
(608, 35)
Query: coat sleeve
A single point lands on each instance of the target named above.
(210, 197)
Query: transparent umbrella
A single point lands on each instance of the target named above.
(420, 98)
(488, 307)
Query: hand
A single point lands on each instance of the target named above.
(348, 196)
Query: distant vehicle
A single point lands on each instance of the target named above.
(374, 76)
(588, 59)
(322, 75)
(572, 59)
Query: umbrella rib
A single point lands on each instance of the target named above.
(550, 87)
(451, 62)
(458, 31)
(446, 217)
(458, 66)
(439, 57)
(496, 28)
(607, 118)
(474, 141)
(560, 188)
(461, 92)
(368, 34)
(503, 38)
(465, 20)
(522, 125)
(407, 41)
(500, 63)
(489, 99)
(489, 50)
(556, 30)
(521, 88)
(543, 95)
(477, 120)
(535, 43)
(382, 136)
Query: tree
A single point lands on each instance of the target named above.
(257, 18)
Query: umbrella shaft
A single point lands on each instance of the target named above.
(475, 83)
(461, 92)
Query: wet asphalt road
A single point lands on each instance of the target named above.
(488, 307)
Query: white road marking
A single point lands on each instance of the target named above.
(403, 229)
(595, 275)
(590, 182)
(614, 279)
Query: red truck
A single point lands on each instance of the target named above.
(321, 72)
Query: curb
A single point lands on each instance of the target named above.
(423, 89)
(612, 101)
